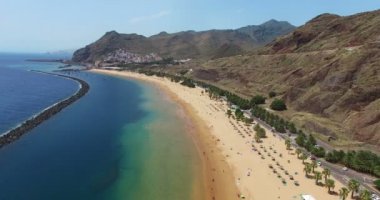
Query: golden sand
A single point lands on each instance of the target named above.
(232, 167)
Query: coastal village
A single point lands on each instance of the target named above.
(123, 56)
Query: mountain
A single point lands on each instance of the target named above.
(186, 44)
(327, 71)
(328, 31)
(267, 31)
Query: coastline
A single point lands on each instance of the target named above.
(217, 174)
(232, 167)
(23, 128)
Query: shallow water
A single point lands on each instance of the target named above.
(123, 140)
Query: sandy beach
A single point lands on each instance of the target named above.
(232, 166)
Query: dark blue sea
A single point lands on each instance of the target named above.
(113, 143)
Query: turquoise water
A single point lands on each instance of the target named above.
(123, 140)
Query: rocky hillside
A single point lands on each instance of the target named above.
(328, 71)
(187, 44)
(327, 31)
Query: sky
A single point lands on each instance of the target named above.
(52, 25)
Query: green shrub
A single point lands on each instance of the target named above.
(278, 104)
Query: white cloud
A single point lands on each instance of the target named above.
(140, 19)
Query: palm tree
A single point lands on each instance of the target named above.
(318, 176)
(365, 195)
(257, 138)
(343, 193)
(330, 184)
(307, 169)
(288, 144)
(229, 113)
(303, 157)
(313, 164)
(326, 173)
(353, 185)
(298, 152)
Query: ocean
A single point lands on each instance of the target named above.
(124, 140)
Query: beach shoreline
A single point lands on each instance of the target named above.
(218, 178)
(231, 165)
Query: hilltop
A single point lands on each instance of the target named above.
(209, 44)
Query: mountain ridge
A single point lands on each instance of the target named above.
(185, 44)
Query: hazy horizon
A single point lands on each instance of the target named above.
(45, 26)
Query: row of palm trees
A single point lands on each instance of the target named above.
(353, 185)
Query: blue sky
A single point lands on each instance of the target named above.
(49, 25)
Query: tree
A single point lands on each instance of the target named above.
(330, 184)
(260, 132)
(326, 173)
(239, 114)
(365, 195)
(377, 184)
(318, 176)
(292, 128)
(229, 113)
(307, 169)
(303, 157)
(278, 104)
(257, 138)
(343, 193)
(365, 161)
(318, 151)
(313, 165)
(288, 144)
(258, 99)
(248, 121)
(280, 128)
(310, 143)
(300, 140)
(353, 185)
(335, 156)
(298, 152)
(376, 170)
